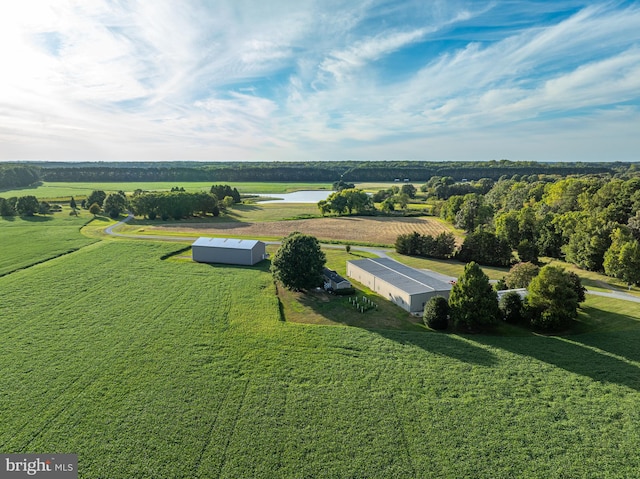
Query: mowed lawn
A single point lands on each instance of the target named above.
(25, 241)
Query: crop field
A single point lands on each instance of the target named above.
(371, 230)
(171, 369)
(64, 190)
(25, 241)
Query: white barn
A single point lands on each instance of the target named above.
(407, 287)
(228, 251)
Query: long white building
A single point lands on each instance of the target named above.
(407, 287)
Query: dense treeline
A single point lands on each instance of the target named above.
(329, 171)
(590, 221)
(18, 176)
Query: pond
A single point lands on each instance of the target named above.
(304, 196)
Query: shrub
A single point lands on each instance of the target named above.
(436, 313)
(511, 308)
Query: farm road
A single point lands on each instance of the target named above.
(381, 252)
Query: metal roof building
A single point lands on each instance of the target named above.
(228, 251)
(407, 287)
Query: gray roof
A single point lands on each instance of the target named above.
(228, 243)
(333, 275)
(401, 276)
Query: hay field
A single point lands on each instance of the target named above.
(376, 230)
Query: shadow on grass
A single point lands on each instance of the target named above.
(263, 265)
(595, 355)
(8, 218)
(617, 334)
(37, 218)
(449, 345)
(389, 321)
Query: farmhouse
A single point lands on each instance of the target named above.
(335, 283)
(407, 287)
(228, 251)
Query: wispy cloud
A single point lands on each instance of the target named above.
(375, 79)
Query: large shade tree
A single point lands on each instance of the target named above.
(299, 262)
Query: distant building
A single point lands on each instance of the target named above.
(522, 292)
(335, 283)
(228, 251)
(407, 287)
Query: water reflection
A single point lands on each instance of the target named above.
(305, 196)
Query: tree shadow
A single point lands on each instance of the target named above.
(263, 266)
(244, 207)
(622, 338)
(573, 354)
(390, 322)
(37, 218)
(8, 218)
(443, 344)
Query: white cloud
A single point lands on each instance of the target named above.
(293, 79)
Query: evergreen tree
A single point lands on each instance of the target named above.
(473, 302)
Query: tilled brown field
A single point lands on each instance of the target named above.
(383, 230)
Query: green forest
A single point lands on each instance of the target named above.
(25, 174)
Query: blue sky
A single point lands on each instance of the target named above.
(320, 80)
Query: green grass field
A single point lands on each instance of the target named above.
(26, 241)
(171, 369)
(64, 190)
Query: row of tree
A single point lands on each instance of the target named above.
(175, 204)
(441, 246)
(23, 206)
(551, 303)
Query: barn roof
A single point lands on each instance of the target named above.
(228, 243)
(408, 279)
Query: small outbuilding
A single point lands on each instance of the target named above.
(407, 287)
(228, 251)
(335, 283)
